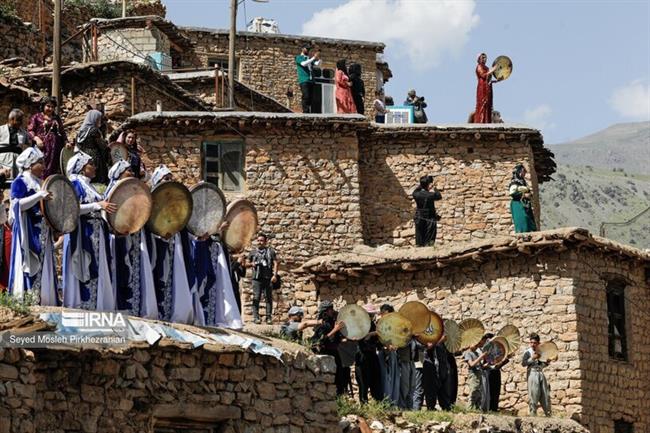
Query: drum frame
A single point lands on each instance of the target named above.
(43, 203)
(149, 225)
(202, 185)
(228, 217)
(110, 196)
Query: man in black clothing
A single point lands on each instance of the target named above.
(435, 376)
(326, 340)
(265, 272)
(426, 218)
(366, 367)
(13, 140)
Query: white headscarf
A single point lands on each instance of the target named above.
(115, 172)
(28, 157)
(159, 173)
(77, 163)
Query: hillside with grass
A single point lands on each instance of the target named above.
(603, 178)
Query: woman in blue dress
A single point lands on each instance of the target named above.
(32, 269)
(173, 270)
(214, 285)
(86, 255)
(131, 265)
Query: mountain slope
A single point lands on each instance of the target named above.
(604, 177)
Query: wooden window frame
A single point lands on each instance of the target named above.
(615, 297)
(220, 173)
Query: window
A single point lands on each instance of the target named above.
(324, 100)
(222, 62)
(616, 320)
(621, 426)
(223, 164)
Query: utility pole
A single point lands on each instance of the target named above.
(123, 8)
(56, 56)
(231, 53)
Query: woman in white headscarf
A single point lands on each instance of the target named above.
(131, 265)
(173, 271)
(32, 267)
(86, 256)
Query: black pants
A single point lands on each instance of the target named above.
(494, 377)
(368, 375)
(434, 388)
(262, 287)
(307, 90)
(425, 231)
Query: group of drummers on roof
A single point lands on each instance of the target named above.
(126, 246)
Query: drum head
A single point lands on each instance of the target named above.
(242, 225)
(503, 66)
(208, 209)
(497, 350)
(512, 336)
(133, 200)
(119, 152)
(418, 314)
(66, 154)
(357, 322)
(171, 209)
(452, 332)
(434, 330)
(547, 351)
(393, 329)
(471, 332)
(62, 211)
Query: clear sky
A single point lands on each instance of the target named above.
(579, 66)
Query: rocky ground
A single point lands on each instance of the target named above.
(462, 423)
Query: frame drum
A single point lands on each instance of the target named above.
(66, 154)
(171, 209)
(434, 330)
(62, 211)
(242, 225)
(133, 201)
(208, 209)
(418, 314)
(471, 332)
(119, 152)
(452, 331)
(393, 329)
(497, 350)
(357, 321)
(547, 351)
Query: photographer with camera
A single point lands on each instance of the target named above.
(264, 262)
(426, 218)
(419, 116)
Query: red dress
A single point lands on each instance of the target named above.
(6, 256)
(344, 101)
(483, 113)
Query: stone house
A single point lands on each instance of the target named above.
(172, 384)
(587, 294)
(323, 184)
(266, 62)
(143, 39)
(123, 88)
(18, 39)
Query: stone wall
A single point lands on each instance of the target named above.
(131, 44)
(18, 40)
(471, 169)
(11, 98)
(267, 63)
(221, 390)
(559, 295)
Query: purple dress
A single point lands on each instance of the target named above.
(54, 139)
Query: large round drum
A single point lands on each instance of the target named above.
(64, 157)
(62, 211)
(471, 332)
(547, 351)
(171, 209)
(357, 322)
(208, 209)
(395, 330)
(434, 330)
(418, 314)
(452, 332)
(496, 349)
(134, 202)
(503, 66)
(512, 336)
(119, 152)
(242, 225)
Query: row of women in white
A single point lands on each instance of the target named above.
(182, 279)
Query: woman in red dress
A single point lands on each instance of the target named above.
(483, 113)
(46, 129)
(344, 100)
